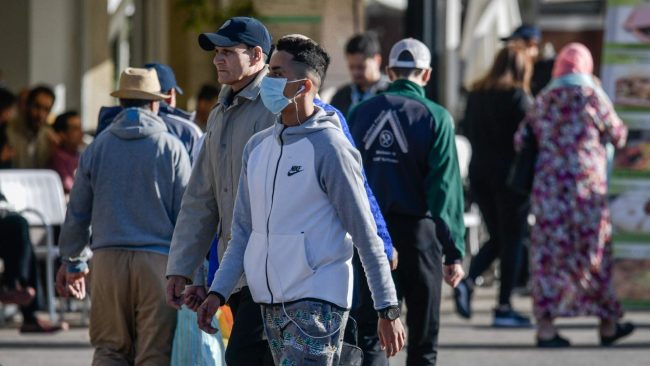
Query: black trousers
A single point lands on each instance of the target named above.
(505, 214)
(17, 254)
(418, 281)
(247, 345)
(363, 312)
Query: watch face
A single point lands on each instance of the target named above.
(393, 313)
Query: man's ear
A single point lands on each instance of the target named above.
(310, 86)
(426, 76)
(154, 106)
(258, 55)
(306, 88)
(390, 73)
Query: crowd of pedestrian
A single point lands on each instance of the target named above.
(317, 221)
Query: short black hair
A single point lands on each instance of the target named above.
(7, 99)
(61, 122)
(207, 92)
(406, 72)
(40, 89)
(366, 44)
(135, 103)
(307, 53)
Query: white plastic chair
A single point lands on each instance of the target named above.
(38, 196)
(472, 218)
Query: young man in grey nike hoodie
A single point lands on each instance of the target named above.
(300, 206)
(128, 187)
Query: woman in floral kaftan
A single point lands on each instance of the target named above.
(571, 252)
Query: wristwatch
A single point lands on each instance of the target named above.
(390, 313)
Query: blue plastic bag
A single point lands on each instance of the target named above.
(192, 346)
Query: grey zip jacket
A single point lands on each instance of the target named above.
(129, 185)
(300, 206)
(209, 199)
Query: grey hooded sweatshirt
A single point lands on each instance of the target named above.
(128, 186)
(301, 203)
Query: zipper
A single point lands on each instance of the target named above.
(268, 219)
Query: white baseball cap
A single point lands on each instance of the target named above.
(410, 53)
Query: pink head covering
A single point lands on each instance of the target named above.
(574, 58)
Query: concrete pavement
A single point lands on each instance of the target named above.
(461, 342)
(475, 342)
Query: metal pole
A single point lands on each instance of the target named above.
(422, 22)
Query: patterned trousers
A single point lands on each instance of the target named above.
(305, 332)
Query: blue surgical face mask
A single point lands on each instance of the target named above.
(272, 93)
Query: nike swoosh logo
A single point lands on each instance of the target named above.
(292, 172)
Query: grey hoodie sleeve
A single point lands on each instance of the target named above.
(339, 173)
(197, 221)
(182, 172)
(75, 231)
(231, 267)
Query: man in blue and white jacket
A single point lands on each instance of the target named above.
(301, 204)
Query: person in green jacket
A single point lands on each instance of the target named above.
(408, 148)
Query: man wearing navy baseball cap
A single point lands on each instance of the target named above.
(167, 80)
(235, 31)
(241, 47)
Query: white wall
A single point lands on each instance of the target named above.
(54, 35)
(14, 36)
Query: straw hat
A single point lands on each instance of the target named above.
(139, 84)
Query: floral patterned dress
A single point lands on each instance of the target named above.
(569, 200)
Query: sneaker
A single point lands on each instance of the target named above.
(622, 330)
(555, 342)
(43, 326)
(463, 299)
(510, 319)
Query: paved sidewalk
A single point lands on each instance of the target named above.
(69, 348)
(475, 342)
(461, 342)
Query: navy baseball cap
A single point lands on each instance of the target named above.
(525, 32)
(166, 77)
(236, 30)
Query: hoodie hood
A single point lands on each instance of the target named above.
(136, 123)
(319, 121)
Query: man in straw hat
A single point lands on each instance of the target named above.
(128, 186)
(177, 120)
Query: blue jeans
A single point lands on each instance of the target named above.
(305, 332)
